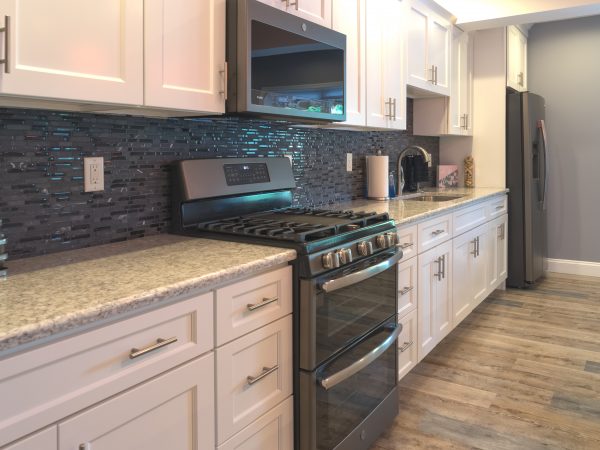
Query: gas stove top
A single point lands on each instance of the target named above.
(295, 224)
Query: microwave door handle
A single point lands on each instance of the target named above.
(335, 379)
(542, 127)
(357, 277)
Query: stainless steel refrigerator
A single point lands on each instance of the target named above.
(527, 179)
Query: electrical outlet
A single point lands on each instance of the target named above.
(93, 174)
(348, 162)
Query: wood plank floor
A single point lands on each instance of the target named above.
(521, 372)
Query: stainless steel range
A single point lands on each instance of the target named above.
(345, 324)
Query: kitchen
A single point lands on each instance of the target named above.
(70, 316)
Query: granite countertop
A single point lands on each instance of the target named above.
(405, 211)
(49, 295)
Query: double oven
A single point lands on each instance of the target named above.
(345, 287)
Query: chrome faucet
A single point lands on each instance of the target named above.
(403, 153)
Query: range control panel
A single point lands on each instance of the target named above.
(251, 173)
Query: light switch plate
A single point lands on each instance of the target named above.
(93, 174)
(348, 162)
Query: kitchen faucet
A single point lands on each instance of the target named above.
(403, 153)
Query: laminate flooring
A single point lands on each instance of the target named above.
(522, 371)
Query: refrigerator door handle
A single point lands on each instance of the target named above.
(542, 126)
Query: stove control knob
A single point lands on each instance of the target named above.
(331, 260)
(381, 241)
(386, 240)
(365, 248)
(345, 255)
(391, 238)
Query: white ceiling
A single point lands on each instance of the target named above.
(479, 14)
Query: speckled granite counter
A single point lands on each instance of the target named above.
(52, 294)
(406, 211)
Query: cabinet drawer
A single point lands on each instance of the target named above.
(468, 218)
(497, 207)
(254, 373)
(42, 440)
(434, 231)
(172, 411)
(273, 430)
(245, 306)
(407, 286)
(407, 344)
(43, 385)
(407, 239)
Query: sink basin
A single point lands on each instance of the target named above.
(434, 198)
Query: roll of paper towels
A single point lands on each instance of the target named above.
(378, 177)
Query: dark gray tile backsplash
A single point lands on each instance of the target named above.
(45, 210)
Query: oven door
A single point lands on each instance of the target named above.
(348, 401)
(340, 307)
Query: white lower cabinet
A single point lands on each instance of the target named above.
(42, 440)
(470, 256)
(172, 411)
(407, 344)
(274, 431)
(254, 374)
(407, 286)
(497, 257)
(435, 297)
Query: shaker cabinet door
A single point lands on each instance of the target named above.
(81, 50)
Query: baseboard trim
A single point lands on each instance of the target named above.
(588, 268)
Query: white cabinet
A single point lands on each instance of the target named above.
(273, 431)
(516, 68)
(407, 344)
(42, 440)
(470, 255)
(349, 18)
(184, 54)
(174, 410)
(429, 36)
(317, 11)
(75, 50)
(135, 56)
(385, 78)
(407, 240)
(460, 103)
(497, 265)
(435, 297)
(407, 286)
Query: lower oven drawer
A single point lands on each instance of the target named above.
(334, 404)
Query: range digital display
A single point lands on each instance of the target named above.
(240, 174)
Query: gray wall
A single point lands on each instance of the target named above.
(564, 67)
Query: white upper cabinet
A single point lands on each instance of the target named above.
(317, 11)
(73, 49)
(349, 18)
(516, 68)
(185, 54)
(460, 103)
(385, 78)
(428, 36)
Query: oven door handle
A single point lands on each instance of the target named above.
(357, 277)
(335, 379)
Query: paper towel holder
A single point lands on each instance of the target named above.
(378, 177)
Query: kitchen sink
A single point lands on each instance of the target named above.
(434, 198)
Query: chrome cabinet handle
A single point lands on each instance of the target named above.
(501, 232)
(335, 379)
(389, 104)
(520, 79)
(474, 252)
(436, 232)
(394, 109)
(462, 121)
(6, 30)
(288, 3)
(86, 446)
(406, 290)
(439, 272)
(406, 245)
(444, 266)
(264, 302)
(224, 75)
(160, 343)
(405, 346)
(436, 77)
(266, 371)
(353, 278)
(499, 207)
(477, 245)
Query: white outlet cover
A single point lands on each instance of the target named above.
(348, 162)
(93, 174)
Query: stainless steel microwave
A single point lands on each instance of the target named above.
(281, 65)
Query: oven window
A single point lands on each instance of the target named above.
(348, 313)
(340, 409)
(290, 71)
